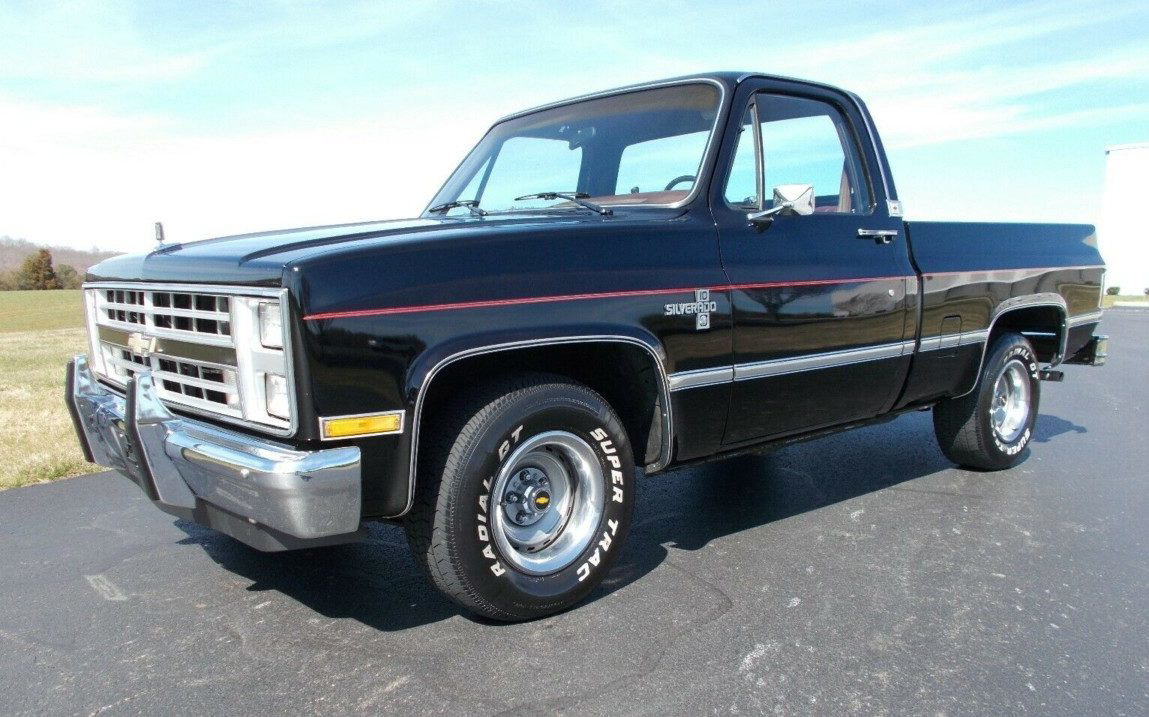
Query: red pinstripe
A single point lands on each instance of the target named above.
(579, 297)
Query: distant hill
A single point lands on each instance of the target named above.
(13, 251)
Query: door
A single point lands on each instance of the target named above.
(819, 301)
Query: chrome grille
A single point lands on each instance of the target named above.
(169, 312)
(202, 344)
(180, 380)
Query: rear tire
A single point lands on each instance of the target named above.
(524, 499)
(990, 427)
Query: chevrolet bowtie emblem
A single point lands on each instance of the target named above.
(141, 345)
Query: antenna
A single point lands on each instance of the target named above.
(160, 232)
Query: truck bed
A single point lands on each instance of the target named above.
(971, 272)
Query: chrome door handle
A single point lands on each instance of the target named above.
(881, 236)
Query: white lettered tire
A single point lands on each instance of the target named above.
(524, 497)
(990, 428)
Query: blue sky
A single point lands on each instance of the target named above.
(221, 117)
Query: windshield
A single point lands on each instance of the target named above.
(636, 148)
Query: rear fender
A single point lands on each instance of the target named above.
(1018, 304)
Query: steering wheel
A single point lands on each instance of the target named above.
(677, 180)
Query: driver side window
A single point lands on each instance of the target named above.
(804, 142)
(742, 182)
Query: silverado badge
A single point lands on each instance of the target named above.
(700, 308)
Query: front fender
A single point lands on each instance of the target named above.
(424, 369)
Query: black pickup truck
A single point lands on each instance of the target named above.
(641, 278)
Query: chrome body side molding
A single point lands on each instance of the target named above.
(813, 362)
(791, 364)
(949, 341)
(1090, 318)
(701, 377)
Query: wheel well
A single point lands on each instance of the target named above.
(625, 374)
(1042, 325)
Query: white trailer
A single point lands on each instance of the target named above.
(1123, 232)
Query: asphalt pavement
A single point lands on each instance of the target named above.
(859, 574)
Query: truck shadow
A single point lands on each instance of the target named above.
(375, 581)
(689, 509)
(1049, 427)
(378, 583)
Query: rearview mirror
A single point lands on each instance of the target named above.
(789, 199)
(579, 137)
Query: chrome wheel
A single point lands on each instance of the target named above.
(549, 494)
(1010, 406)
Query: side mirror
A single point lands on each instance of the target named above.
(789, 199)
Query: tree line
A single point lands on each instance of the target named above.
(37, 273)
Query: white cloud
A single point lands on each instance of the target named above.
(79, 177)
(120, 42)
(83, 174)
(89, 41)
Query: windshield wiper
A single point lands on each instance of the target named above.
(578, 198)
(471, 204)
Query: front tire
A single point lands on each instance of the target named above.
(989, 428)
(525, 497)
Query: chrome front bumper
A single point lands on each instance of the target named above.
(263, 493)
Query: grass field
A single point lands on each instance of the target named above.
(39, 332)
(40, 310)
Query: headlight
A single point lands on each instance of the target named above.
(276, 397)
(270, 325)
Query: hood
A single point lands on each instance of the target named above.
(261, 259)
(247, 259)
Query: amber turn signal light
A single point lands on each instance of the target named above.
(370, 424)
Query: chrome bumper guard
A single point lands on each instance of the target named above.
(263, 493)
